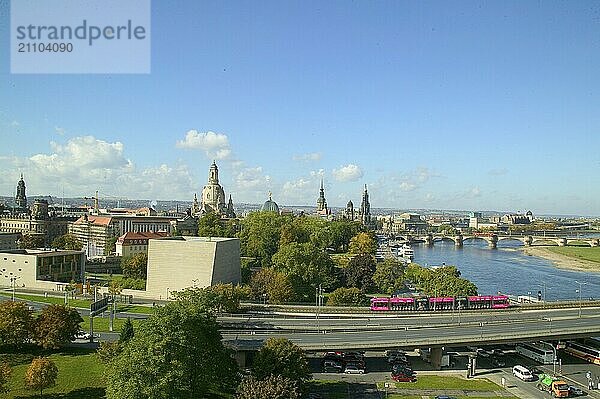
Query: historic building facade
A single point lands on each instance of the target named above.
(213, 197)
(365, 208)
(322, 209)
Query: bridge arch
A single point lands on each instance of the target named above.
(519, 240)
(579, 243)
(544, 242)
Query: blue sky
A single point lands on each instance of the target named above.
(432, 104)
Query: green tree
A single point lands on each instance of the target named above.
(5, 373)
(174, 354)
(135, 266)
(56, 326)
(108, 351)
(41, 374)
(443, 281)
(363, 243)
(126, 331)
(389, 276)
(281, 357)
(268, 283)
(359, 272)
(31, 241)
(16, 323)
(346, 297)
(272, 387)
(229, 296)
(260, 234)
(306, 266)
(111, 245)
(210, 225)
(67, 241)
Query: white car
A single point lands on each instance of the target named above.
(83, 335)
(352, 369)
(522, 373)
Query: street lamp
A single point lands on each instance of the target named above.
(553, 350)
(579, 290)
(12, 277)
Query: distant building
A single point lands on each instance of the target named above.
(365, 209)
(213, 197)
(95, 231)
(42, 269)
(349, 211)
(131, 243)
(176, 263)
(270, 205)
(322, 209)
(477, 221)
(35, 221)
(513, 218)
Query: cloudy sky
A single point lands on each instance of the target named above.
(447, 105)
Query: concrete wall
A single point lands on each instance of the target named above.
(176, 263)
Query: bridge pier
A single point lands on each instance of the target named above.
(493, 241)
(562, 242)
(429, 239)
(595, 242)
(458, 240)
(436, 357)
(528, 241)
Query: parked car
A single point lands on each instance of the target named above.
(353, 369)
(332, 366)
(444, 397)
(399, 368)
(497, 362)
(575, 391)
(83, 335)
(401, 377)
(482, 352)
(522, 373)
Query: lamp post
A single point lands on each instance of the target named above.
(553, 351)
(579, 290)
(12, 277)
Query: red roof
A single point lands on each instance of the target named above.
(98, 220)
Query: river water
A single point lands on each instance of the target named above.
(508, 270)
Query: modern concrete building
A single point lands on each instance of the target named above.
(176, 263)
(41, 269)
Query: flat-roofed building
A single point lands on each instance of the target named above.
(176, 263)
(41, 269)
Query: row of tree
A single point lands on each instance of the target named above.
(54, 327)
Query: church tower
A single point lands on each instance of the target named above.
(365, 208)
(230, 212)
(213, 196)
(321, 202)
(349, 213)
(21, 198)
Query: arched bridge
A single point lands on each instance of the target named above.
(492, 239)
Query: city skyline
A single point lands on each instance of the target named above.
(434, 106)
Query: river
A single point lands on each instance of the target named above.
(508, 270)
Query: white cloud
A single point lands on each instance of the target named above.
(407, 186)
(474, 192)
(349, 172)
(15, 124)
(215, 145)
(60, 130)
(252, 178)
(318, 173)
(83, 165)
(308, 157)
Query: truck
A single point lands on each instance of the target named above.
(557, 387)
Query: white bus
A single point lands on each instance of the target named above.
(541, 353)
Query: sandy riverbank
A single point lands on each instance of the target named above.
(563, 261)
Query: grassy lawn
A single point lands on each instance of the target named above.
(79, 374)
(101, 324)
(330, 389)
(447, 382)
(584, 253)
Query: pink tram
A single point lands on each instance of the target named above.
(439, 303)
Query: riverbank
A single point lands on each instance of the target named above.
(563, 261)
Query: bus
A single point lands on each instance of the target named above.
(539, 352)
(587, 349)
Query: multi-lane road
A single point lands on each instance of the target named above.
(415, 331)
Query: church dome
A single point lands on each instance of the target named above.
(270, 205)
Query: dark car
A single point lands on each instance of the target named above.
(574, 391)
(497, 362)
(444, 397)
(398, 368)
